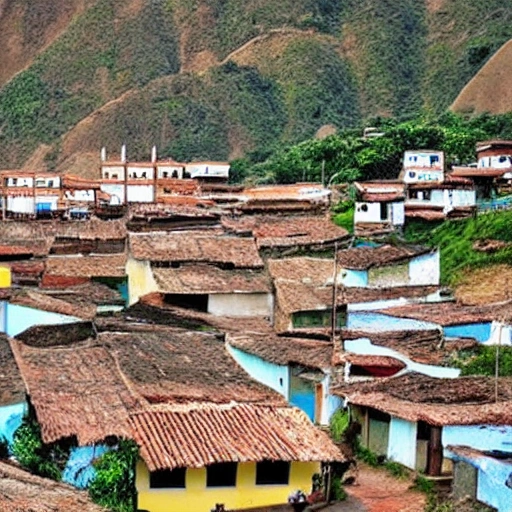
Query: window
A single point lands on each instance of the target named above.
(413, 194)
(272, 473)
(106, 175)
(427, 194)
(114, 176)
(14, 182)
(364, 207)
(175, 173)
(221, 475)
(165, 174)
(144, 175)
(50, 183)
(434, 160)
(167, 479)
(383, 211)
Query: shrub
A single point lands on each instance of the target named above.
(338, 424)
(114, 484)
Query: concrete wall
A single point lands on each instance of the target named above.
(142, 172)
(272, 375)
(398, 213)
(241, 304)
(196, 497)
(166, 171)
(356, 278)
(109, 171)
(456, 198)
(389, 275)
(425, 269)
(378, 440)
(116, 190)
(80, 195)
(140, 279)
(480, 331)
(370, 321)
(372, 213)
(140, 193)
(480, 437)
(11, 417)
(20, 318)
(20, 204)
(402, 442)
(465, 478)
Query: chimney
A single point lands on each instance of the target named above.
(123, 153)
(103, 154)
(153, 155)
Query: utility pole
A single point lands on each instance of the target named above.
(323, 172)
(334, 294)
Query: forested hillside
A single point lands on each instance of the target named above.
(223, 78)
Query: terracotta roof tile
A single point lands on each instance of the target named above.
(380, 191)
(279, 231)
(21, 491)
(12, 388)
(209, 279)
(107, 265)
(173, 437)
(363, 258)
(195, 246)
(415, 397)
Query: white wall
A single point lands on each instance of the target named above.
(424, 159)
(142, 172)
(53, 200)
(364, 346)
(425, 269)
(402, 442)
(20, 182)
(20, 204)
(166, 171)
(207, 170)
(116, 191)
(398, 213)
(456, 198)
(48, 182)
(372, 213)
(108, 171)
(240, 304)
(496, 162)
(140, 193)
(80, 195)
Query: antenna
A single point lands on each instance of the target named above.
(334, 294)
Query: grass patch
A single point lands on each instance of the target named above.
(397, 470)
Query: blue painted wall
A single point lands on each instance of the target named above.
(20, 318)
(11, 417)
(272, 375)
(481, 331)
(302, 395)
(402, 442)
(480, 437)
(364, 320)
(358, 278)
(79, 470)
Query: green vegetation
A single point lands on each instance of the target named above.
(455, 240)
(338, 425)
(344, 215)
(114, 483)
(397, 470)
(482, 361)
(35, 456)
(423, 484)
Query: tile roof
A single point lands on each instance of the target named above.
(210, 279)
(283, 351)
(12, 388)
(287, 231)
(198, 434)
(32, 299)
(449, 183)
(363, 258)
(452, 313)
(21, 491)
(105, 265)
(195, 246)
(318, 271)
(415, 397)
(380, 191)
(174, 365)
(76, 391)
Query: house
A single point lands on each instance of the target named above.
(80, 196)
(451, 197)
(277, 234)
(18, 194)
(203, 269)
(379, 207)
(208, 171)
(304, 294)
(482, 475)
(22, 491)
(412, 419)
(389, 266)
(207, 433)
(423, 166)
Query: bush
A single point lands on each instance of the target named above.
(35, 456)
(114, 484)
(337, 491)
(338, 424)
(396, 469)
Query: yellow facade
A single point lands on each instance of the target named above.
(140, 280)
(5, 277)
(196, 497)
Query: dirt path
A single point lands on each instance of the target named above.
(380, 492)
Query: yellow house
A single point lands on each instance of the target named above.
(240, 455)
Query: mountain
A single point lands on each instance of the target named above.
(220, 78)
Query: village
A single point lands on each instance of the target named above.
(224, 329)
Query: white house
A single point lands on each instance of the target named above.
(208, 170)
(423, 165)
(379, 206)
